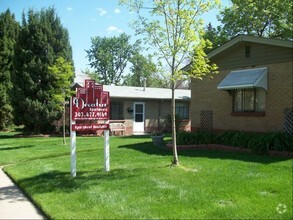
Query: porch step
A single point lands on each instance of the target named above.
(140, 133)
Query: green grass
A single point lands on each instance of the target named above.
(142, 184)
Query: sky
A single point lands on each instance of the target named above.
(85, 19)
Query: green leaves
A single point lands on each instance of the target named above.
(267, 18)
(260, 143)
(61, 74)
(8, 34)
(37, 88)
(174, 29)
(109, 57)
(142, 69)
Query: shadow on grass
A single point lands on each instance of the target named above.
(16, 147)
(149, 148)
(141, 136)
(56, 181)
(57, 155)
(134, 136)
(10, 133)
(6, 136)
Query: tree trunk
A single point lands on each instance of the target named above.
(175, 160)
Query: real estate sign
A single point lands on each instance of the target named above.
(90, 103)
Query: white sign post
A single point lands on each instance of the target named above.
(72, 144)
(90, 103)
(106, 151)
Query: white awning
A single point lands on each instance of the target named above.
(244, 79)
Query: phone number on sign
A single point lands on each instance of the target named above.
(90, 115)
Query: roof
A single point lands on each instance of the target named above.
(131, 92)
(246, 78)
(244, 38)
(148, 93)
(251, 39)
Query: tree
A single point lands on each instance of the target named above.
(92, 74)
(266, 18)
(216, 35)
(142, 69)
(109, 57)
(42, 39)
(9, 29)
(61, 74)
(174, 29)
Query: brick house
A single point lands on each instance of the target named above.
(252, 90)
(143, 110)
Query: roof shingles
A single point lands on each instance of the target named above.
(148, 93)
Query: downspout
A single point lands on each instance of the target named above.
(159, 116)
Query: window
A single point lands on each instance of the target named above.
(249, 100)
(182, 109)
(116, 111)
(247, 51)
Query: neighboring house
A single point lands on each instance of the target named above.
(251, 92)
(143, 110)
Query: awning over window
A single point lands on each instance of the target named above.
(244, 79)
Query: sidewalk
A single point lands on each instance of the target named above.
(13, 203)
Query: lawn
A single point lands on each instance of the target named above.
(142, 184)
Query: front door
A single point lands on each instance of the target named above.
(138, 117)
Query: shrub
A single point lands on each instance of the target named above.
(200, 137)
(184, 137)
(259, 143)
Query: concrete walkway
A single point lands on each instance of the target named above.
(13, 203)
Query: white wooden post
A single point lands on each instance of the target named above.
(106, 151)
(72, 144)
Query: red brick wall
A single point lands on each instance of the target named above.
(205, 96)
